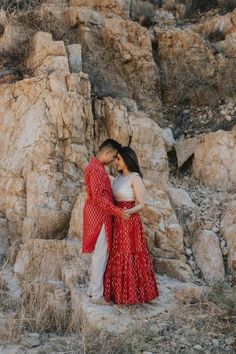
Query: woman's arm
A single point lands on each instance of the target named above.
(139, 193)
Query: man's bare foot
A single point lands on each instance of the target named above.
(101, 301)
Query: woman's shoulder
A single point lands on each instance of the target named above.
(136, 178)
(135, 175)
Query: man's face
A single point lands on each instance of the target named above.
(109, 156)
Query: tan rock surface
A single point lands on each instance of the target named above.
(180, 198)
(117, 319)
(208, 256)
(13, 35)
(45, 126)
(58, 260)
(185, 149)
(125, 44)
(46, 55)
(190, 295)
(214, 162)
(228, 229)
(76, 221)
(165, 237)
(113, 119)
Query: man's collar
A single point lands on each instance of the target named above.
(97, 161)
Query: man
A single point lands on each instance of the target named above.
(97, 217)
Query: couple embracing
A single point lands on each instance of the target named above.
(121, 270)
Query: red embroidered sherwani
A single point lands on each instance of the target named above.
(99, 207)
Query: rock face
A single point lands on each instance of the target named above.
(52, 260)
(113, 119)
(208, 256)
(192, 69)
(76, 221)
(214, 162)
(127, 68)
(228, 229)
(165, 237)
(46, 125)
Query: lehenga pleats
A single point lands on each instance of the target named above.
(129, 277)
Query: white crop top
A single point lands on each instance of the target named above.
(122, 189)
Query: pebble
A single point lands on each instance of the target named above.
(230, 340)
(225, 251)
(215, 229)
(198, 347)
(188, 251)
(215, 342)
(222, 244)
(33, 342)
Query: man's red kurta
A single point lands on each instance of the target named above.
(99, 207)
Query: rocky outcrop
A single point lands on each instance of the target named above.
(214, 162)
(228, 229)
(180, 54)
(46, 123)
(46, 55)
(127, 68)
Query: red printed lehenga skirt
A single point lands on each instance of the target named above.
(129, 277)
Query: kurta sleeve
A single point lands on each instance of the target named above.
(96, 182)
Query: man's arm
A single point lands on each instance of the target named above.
(96, 181)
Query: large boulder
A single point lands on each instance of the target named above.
(208, 256)
(165, 236)
(46, 55)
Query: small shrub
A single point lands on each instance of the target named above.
(143, 12)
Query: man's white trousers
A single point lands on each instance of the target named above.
(99, 262)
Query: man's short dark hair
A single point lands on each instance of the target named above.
(110, 143)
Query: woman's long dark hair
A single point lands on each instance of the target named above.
(130, 159)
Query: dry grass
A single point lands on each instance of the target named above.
(19, 5)
(175, 331)
(32, 313)
(41, 21)
(37, 314)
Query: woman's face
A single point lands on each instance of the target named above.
(119, 163)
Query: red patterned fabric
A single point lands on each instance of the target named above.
(129, 277)
(99, 207)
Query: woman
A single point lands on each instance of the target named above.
(129, 277)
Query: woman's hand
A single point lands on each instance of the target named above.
(126, 214)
